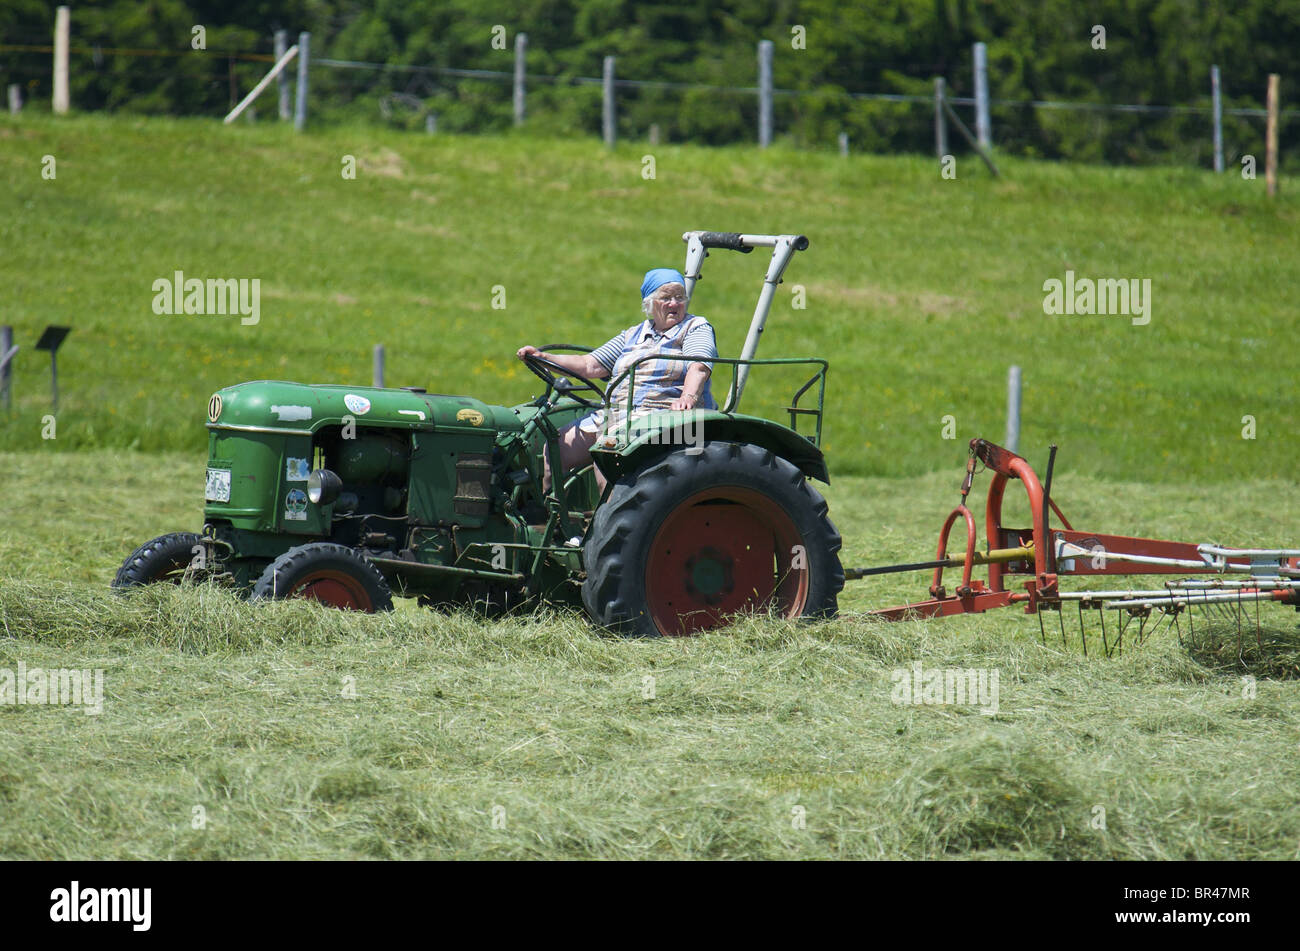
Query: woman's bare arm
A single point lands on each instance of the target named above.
(581, 363)
(696, 376)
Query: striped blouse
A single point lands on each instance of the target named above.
(659, 382)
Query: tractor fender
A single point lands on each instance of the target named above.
(662, 433)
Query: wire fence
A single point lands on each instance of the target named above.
(437, 98)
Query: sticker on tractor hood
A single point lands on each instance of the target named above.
(356, 404)
(218, 488)
(295, 506)
(291, 414)
(474, 416)
(296, 470)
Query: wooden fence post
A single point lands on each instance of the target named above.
(940, 124)
(61, 22)
(983, 128)
(7, 351)
(764, 93)
(1013, 410)
(281, 45)
(607, 102)
(1270, 135)
(521, 47)
(300, 104)
(1218, 118)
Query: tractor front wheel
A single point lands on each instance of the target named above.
(165, 559)
(692, 539)
(334, 575)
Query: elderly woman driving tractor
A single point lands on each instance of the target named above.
(661, 384)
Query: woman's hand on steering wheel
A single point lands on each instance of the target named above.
(547, 369)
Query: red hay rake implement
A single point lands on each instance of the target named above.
(1046, 554)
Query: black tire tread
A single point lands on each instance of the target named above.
(280, 575)
(637, 505)
(164, 553)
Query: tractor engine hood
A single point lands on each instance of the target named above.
(279, 406)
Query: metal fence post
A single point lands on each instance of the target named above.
(983, 129)
(378, 367)
(940, 124)
(15, 99)
(521, 47)
(1013, 410)
(300, 105)
(844, 144)
(282, 44)
(764, 93)
(607, 102)
(61, 20)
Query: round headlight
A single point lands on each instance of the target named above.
(323, 487)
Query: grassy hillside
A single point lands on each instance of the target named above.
(545, 725)
(921, 291)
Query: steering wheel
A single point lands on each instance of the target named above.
(546, 370)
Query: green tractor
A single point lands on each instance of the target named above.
(350, 495)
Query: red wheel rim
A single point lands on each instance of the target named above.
(338, 589)
(724, 551)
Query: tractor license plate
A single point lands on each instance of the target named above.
(218, 489)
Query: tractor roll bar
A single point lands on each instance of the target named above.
(744, 243)
(723, 239)
(783, 247)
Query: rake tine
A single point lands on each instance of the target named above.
(1237, 614)
(1179, 628)
(1259, 639)
(1102, 613)
(1172, 619)
(1060, 619)
(1042, 631)
(1083, 634)
(1155, 628)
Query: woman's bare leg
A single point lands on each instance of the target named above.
(575, 452)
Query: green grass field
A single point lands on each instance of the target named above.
(239, 709)
(537, 736)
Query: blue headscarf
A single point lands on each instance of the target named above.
(656, 278)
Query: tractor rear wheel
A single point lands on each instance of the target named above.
(334, 575)
(690, 540)
(165, 559)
